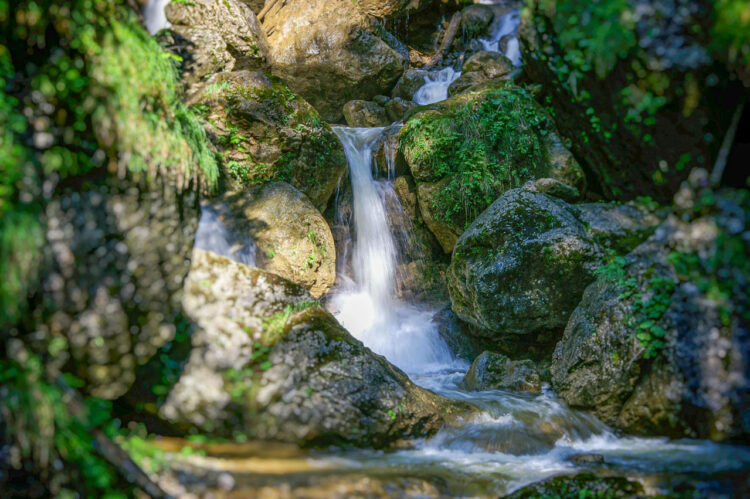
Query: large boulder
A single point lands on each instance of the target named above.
(291, 237)
(268, 362)
(411, 81)
(267, 133)
(212, 36)
(495, 371)
(330, 53)
(468, 150)
(647, 99)
(660, 342)
(362, 113)
(521, 267)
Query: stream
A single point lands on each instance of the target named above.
(514, 439)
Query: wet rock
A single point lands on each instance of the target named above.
(330, 53)
(360, 113)
(581, 485)
(587, 459)
(269, 363)
(477, 128)
(494, 371)
(648, 351)
(479, 68)
(213, 36)
(292, 238)
(524, 263)
(475, 19)
(267, 133)
(635, 151)
(396, 108)
(411, 81)
(553, 187)
(456, 334)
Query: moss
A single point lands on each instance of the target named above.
(478, 147)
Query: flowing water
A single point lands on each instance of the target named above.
(212, 235)
(154, 17)
(436, 86)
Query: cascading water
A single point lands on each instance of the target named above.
(506, 27)
(154, 17)
(436, 86)
(365, 303)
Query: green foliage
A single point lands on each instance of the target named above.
(42, 428)
(730, 33)
(478, 148)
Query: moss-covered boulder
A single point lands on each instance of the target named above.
(521, 267)
(268, 362)
(470, 149)
(330, 52)
(291, 237)
(639, 90)
(267, 133)
(211, 36)
(659, 343)
(495, 371)
(101, 169)
(581, 485)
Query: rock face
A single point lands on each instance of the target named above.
(470, 149)
(213, 36)
(329, 53)
(494, 371)
(292, 237)
(523, 264)
(646, 95)
(479, 68)
(475, 19)
(361, 113)
(659, 343)
(270, 363)
(266, 133)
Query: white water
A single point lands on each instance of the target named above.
(508, 25)
(436, 86)
(364, 303)
(212, 235)
(154, 16)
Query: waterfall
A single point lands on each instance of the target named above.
(436, 86)
(365, 303)
(154, 16)
(212, 235)
(507, 26)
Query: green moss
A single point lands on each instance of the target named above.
(478, 148)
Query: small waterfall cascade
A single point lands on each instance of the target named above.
(212, 235)
(436, 86)
(365, 303)
(154, 16)
(506, 27)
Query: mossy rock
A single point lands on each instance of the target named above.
(268, 362)
(267, 133)
(467, 151)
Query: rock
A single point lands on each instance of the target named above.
(479, 68)
(456, 335)
(468, 150)
(269, 363)
(381, 100)
(553, 187)
(267, 133)
(523, 264)
(213, 36)
(329, 53)
(494, 371)
(360, 113)
(475, 19)
(581, 485)
(396, 108)
(255, 5)
(411, 81)
(648, 351)
(660, 131)
(292, 237)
